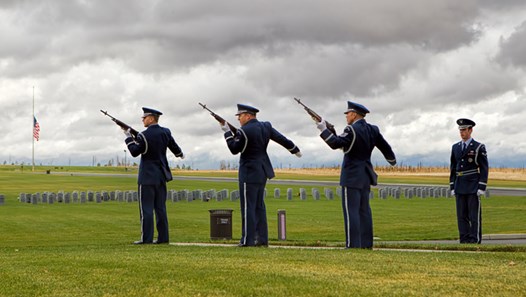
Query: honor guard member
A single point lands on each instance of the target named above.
(251, 141)
(357, 174)
(154, 172)
(468, 181)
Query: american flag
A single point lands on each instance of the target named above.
(36, 128)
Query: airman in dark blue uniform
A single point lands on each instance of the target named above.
(154, 173)
(251, 141)
(468, 180)
(357, 175)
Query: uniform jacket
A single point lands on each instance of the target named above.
(357, 142)
(251, 141)
(469, 170)
(151, 144)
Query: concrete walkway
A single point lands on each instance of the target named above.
(500, 239)
(270, 246)
(488, 239)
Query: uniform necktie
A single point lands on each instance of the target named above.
(463, 147)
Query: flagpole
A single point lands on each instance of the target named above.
(33, 127)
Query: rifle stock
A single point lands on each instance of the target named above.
(219, 118)
(316, 117)
(121, 124)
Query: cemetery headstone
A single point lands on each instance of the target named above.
(52, 197)
(34, 199)
(303, 194)
(44, 197)
(329, 194)
(315, 194)
(277, 193)
(289, 194)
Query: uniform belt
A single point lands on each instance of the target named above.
(467, 172)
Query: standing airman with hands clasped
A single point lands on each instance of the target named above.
(468, 180)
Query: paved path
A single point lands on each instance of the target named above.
(494, 191)
(487, 239)
(206, 244)
(510, 241)
(313, 183)
(500, 239)
(484, 242)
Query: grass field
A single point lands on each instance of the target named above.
(86, 250)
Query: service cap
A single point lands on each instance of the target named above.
(356, 107)
(465, 123)
(242, 108)
(150, 111)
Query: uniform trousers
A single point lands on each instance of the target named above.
(153, 198)
(357, 216)
(253, 214)
(469, 218)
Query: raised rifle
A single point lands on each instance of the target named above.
(122, 124)
(219, 119)
(316, 117)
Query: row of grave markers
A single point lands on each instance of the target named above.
(191, 195)
(172, 195)
(417, 192)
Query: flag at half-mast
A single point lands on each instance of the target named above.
(36, 128)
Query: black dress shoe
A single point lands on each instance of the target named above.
(160, 242)
(262, 244)
(140, 242)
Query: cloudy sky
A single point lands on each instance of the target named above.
(418, 65)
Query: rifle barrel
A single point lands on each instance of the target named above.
(315, 116)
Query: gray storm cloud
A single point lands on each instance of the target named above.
(166, 36)
(514, 47)
(417, 65)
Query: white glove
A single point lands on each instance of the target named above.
(298, 154)
(452, 192)
(225, 127)
(322, 125)
(127, 132)
(481, 192)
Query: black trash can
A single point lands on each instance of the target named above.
(220, 224)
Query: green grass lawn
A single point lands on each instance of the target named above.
(119, 269)
(308, 222)
(86, 250)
